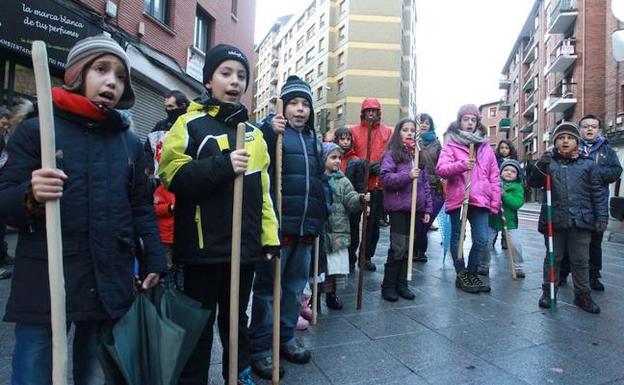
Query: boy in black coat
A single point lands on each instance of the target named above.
(578, 208)
(105, 204)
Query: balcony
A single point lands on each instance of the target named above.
(530, 50)
(504, 83)
(615, 134)
(562, 16)
(529, 127)
(504, 124)
(562, 98)
(562, 57)
(529, 85)
(530, 103)
(273, 77)
(274, 61)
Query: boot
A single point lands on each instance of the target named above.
(401, 288)
(596, 285)
(388, 286)
(465, 282)
(585, 302)
(544, 301)
(420, 256)
(332, 301)
(305, 311)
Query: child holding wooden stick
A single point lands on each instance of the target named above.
(483, 186)
(398, 172)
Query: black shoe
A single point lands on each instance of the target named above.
(351, 269)
(388, 286)
(383, 223)
(585, 302)
(403, 291)
(433, 228)
(463, 281)
(264, 368)
(483, 271)
(544, 301)
(6, 272)
(389, 294)
(503, 243)
(369, 266)
(420, 256)
(563, 280)
(297, 354)
(332, 301)
(520, 274)
(596, 285)
(483, 287)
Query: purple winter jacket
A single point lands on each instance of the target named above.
(485, 190)
(397, 184)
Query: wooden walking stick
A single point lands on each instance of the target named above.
(549, 251)
(360, 285)
(53, 217)
(237, 213)
(464, 212)
(412, 234)
(277, 264)
(315, 281)
(509, 244)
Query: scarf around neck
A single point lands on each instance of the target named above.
(428, 137)
(467, 138)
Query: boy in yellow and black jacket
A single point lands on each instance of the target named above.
(198, 164)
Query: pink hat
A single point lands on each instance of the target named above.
(468, 109)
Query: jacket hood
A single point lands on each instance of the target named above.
(370, 103)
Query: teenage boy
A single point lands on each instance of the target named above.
(199, 163)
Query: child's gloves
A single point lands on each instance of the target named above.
(270, 252)
(375, 168)
(546, 158)
(601, 226)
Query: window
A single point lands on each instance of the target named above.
(492, 112)
(339, 112)
(342, 7)
(310, 32)
(340, 85)
(319, 93)
(310, 54)
(319, 69)
(322, 20)
(234, 7)
(342, 32)
(158, 9)
(298, 64)
(321, 44)
(300, 43)
(492, 131)
(309, 76)
(515, 107)
(201, 36)
(341, 59)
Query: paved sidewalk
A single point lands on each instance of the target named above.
(446, 336)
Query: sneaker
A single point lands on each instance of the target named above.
(483, 287)
(244, 377)
(264, 368)
(332, 301)
(596, 285)
(520, 274)
(463, 281)
(302, 323)
(585, 302)
(483, 271)
(297, 353)
(369, 266)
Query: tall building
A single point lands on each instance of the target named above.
(492, 114)
(614, 91)
(165, 39)
(347, 50)
(555, 72)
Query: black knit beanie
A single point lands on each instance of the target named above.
(220, 53)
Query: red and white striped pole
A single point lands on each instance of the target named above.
(550, 253)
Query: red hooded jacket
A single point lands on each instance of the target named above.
(380, 136)
(163, 200)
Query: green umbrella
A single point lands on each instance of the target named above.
(151, 343)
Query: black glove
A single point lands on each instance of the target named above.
(375, 168)
(601, 226)
(546, 158)
(270, 252)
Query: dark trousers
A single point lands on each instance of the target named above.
(3, 245)
(400, 233)
(354, 224)
(421, 234)
(595, 257)
(372, 224)
(210, 285)
(576, 242)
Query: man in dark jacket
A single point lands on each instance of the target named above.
(304, 211)
(595, 147)
(5, 258)
(578, 208)
(176, 104)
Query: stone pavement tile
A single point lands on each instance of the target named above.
(539, 327)
(331, 332)
(485, 339)
(542, 365)
(476, 372)
(439, 315)
(486, 307)
(5, 371)
(409, 379)
(308, 374)
(599, 325)
(358, 362)
(384, 323)
(422, 350)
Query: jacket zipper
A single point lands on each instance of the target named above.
(307, 194)
(200, 231)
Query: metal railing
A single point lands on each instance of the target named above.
(565, 47)
(565, 89)
(561, 7)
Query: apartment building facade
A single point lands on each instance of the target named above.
(347, 50)
(555, 72)
(491, 116)
(165, 39)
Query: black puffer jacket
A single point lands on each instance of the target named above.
(105, 205)
(577, 195)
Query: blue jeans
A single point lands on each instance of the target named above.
(32, 358)
(295, 264)
(478, 218)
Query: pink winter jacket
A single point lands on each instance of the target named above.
(485, 190)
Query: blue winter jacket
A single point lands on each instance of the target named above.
(305, 190)
(602, 154)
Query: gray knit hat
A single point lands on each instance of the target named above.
(328, 147)
(85, 52)
(295, 87)
(513, 163)
(567, 128)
